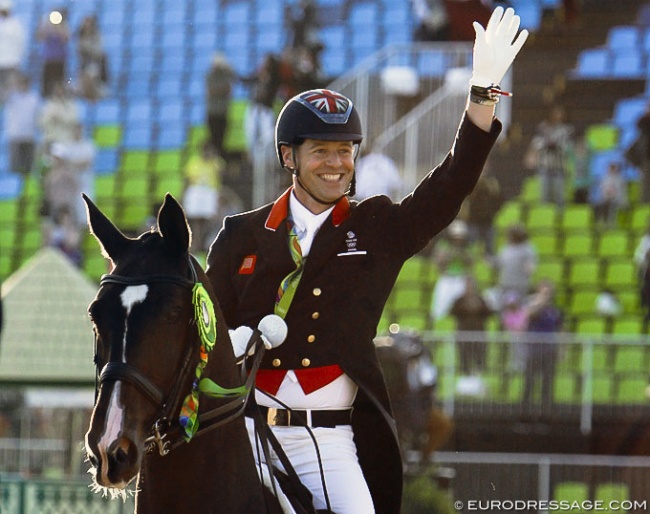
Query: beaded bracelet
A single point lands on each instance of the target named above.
(486, 95)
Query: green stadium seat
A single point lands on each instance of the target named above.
(601, 137)
(602, 389)
(134, 161)
(629, 325)
(571, 492)
(584, 271)
(565, 388)
(542, 217)
(235, 138)
(611, 495)
(629, 358)
(445, 325)
(531, 190)
(108, 136)
(545, 243)
(8, 210)
(629, 300)
(511, 212)
(640, 218)
(167, 161)
(590, 325)
(582, 301)
(551, 268)
(614, 243)
(577, 217)
(578, 244)
(620, 274)
(633, 390)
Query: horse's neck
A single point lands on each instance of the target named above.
(213, 473)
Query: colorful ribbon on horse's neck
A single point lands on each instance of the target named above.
(206, 322)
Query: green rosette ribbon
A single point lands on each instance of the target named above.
(204, 316)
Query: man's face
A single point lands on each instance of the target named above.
(325, 169)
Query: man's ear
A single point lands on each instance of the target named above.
(287, 156)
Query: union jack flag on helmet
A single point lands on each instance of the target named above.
(330, 106)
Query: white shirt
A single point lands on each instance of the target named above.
(338, 394)
(12, 42)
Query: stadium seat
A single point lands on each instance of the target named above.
(601, 137)
(542, 217)
(584, 272)
(593, 63)
(590, 325)
(571, 492)
(632, 390)
(628, 66)
(579, 244)
(546, 244)
(531, 190)
(107, 161)
(107, 136)
(614, 244)
(582, 301)
(620, 274)
(624, 38)
(550, 268)
(511, 212)
(611, 495)
(577, 217)
(602, 389)
(628, 325)
(565, 388)
(629, 358)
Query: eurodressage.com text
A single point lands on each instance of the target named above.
(552, 505)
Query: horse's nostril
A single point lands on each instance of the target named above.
(121, 456)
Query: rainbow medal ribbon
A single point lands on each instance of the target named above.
(206, 322)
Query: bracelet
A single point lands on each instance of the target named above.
(486, 95)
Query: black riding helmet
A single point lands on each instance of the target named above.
(319, 114)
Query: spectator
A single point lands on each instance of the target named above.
(218, 86)
(201, 196)
(607, 305)
(431, 20)
(642, 158)
(550, 148)
(611, 196)
(54, 35)
(377, 174)
(454, 261)
(579, 167)
(62, 231)
(21, 115)
(259, 119)
(641, 250)
(302, 24)
(471, 312)
(59, 117)
(462, 13)
(93, 65)
(13, 46)
(61, 185)
(514, 321)
(80, 154)
(545, 320)
(515, 263)
(482, 206)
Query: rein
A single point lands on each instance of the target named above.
(167, 435)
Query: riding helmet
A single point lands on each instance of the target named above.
(317, 114)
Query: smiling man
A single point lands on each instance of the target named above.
(327, 264)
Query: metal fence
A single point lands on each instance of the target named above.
(542, 483)
(19, 496)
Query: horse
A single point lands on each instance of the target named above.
(159, 333)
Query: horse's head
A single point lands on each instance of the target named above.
(146, 339)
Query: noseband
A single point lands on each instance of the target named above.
(168, 402)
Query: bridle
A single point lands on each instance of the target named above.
(165, 433)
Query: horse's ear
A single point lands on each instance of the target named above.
(173, 225)
(113, 242)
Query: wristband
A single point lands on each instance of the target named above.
(486, 95)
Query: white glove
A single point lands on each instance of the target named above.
(239, 339)
(495, 47)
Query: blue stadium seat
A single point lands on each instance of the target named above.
(108, 111)
(593, 63)
(171, 137)
(11, 185)
(137, 137)
(139, 113)
(107, 161)
(236, 14)
(623, 38)
(363, 14)
(172, 111)
(432, 64)
(628, 65)
(628, 110)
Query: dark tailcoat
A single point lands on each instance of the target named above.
(352, 266)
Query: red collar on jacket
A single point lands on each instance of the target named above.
(280, 210)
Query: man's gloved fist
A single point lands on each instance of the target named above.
(495, 47)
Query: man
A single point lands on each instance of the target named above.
(331, 284)
(13, 46)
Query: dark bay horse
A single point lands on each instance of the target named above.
(154, 340)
